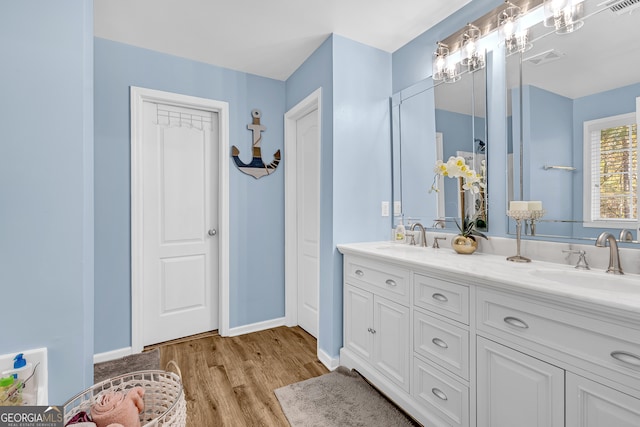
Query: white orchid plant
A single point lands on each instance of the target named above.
(456, 167)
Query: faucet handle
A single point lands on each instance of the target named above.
(435, 241)
(582, 259)
(412, 236)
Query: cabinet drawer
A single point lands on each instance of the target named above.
(442, 343)
(446, 298)
(388, 280)
(438, 390)
(610, 349)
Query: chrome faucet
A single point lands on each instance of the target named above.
(438, 223)
(423, 235)
(626, 236)
(614, 255)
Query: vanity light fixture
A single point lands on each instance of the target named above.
(440, 57)
(516, 39)
(564, 15)
(472, 58)
(452, 72)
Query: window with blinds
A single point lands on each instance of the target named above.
(611, 171)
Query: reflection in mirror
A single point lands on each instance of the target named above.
(575, 90)
(461, 122)
(431, 123)
(414, 151)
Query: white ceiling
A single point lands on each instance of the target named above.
(267, 38)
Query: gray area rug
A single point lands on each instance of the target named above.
(341, 398)
(135, 362)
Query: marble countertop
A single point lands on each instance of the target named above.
(618, 292)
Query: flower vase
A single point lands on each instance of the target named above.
(465, 245)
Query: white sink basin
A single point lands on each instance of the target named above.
(584, 277)
(587, 278)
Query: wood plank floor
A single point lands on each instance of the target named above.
(230, 381)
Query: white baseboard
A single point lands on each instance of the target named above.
(330, 362)
(112, 355)
(256, 327)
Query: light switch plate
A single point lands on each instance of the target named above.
(385, 208)
(397, 207)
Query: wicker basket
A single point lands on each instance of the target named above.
(164, 402)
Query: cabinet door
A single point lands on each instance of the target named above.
(517, 390)
(590, 404)
(391, 340)
(358, 321)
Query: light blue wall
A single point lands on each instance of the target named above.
(46, 173)
(456, 136)
(317, 72)
(361, 155)
(418, 154)
(355, 159)
(548, 136)
(256, 206)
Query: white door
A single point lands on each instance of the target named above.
(308, 220)
(180, 250)
(515, 389)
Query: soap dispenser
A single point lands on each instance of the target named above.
(400, 232)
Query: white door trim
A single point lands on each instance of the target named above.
(304, 107)
(138, 97)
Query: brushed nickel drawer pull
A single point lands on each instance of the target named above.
(439, 394)
(439, 343)
(359, 273)
(626, 357)
(391, 282)
(439, 297)
(514, 321)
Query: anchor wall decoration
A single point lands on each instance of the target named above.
(256, 168)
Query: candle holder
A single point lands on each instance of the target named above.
(535, 216)
(518, 216)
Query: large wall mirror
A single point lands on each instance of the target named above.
(573, 101)
(432, 122)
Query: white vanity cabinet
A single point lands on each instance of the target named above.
(548, 387)
(476, 347)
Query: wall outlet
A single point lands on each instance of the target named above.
(385, 208)
(397, 208)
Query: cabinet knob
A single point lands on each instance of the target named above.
(212, 232)
(439, 297)
(391, 282)
(359, 273)
(439, 394)
(440, 343)
(514, 321)
(626, 357)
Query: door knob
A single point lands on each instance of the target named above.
(213, 232)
